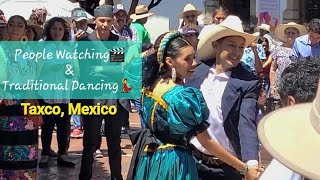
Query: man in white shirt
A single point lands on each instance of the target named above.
(231, 93)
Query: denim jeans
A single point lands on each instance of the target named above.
(76, 121)
(137, 104)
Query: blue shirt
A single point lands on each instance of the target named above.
(302, 48)
(248, 59)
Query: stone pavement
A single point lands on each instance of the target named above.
(101, 165)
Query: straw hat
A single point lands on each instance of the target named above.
(188, 8)
(265, 27)
(231, 26)
(282, 27)
(292, 136)
(37, 28)
(141, 12)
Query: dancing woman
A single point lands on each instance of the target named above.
(173, 114)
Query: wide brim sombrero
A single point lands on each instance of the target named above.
(231, 26)
(189, 8)
(141, 12)
(292, 136)
(279, 31)
(37, 28)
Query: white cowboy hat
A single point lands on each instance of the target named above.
(188, 8)
(141, 12)
(282, 27)
(265, 27)
(231, 26)
(292, 136)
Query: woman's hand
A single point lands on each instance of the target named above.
(36, 119)
(8, 102)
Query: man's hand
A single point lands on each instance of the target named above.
(79, 35)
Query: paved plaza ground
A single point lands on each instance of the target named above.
(101, 165)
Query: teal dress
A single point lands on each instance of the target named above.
(173, 115)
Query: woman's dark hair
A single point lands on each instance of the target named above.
(20, 17)
(314, 25)
(222, 8)
(50, 23)
(150, 65)
(35, 35)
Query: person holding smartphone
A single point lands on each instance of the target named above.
(80, 23)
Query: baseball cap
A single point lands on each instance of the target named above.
(119, 7)
(79, 14)
(103, 11)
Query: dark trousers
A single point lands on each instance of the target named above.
(92, 140)
(216, 172)
(63, 130)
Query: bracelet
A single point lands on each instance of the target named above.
(245, 170)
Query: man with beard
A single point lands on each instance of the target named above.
(120, 26)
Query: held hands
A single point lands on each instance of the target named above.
(253, 172)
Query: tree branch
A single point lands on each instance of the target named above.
(153, 4)
(133, 6)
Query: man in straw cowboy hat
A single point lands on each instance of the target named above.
(189, 16)
(292, 134)
(308, 45)
(139, 18)
(280, 57)
(264, 31)
(231, 93)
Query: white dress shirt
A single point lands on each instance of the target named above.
(212, 88)
(276, 170)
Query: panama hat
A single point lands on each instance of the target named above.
(141, 12)
(282, 27)
(265, 27)
(292, 136)
(231, 26)
(188, 8)
(37, 28)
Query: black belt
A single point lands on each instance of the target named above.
(206, 159)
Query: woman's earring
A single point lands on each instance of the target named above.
(24, 38)
(174, 74)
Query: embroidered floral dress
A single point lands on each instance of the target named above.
(18, 136)
(281, 55)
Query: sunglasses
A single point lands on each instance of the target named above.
(188, 16)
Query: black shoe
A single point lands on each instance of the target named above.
(44, 161)
(64, 161)
(53, 154)
(124, 130)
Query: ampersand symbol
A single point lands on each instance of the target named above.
(69, 70)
